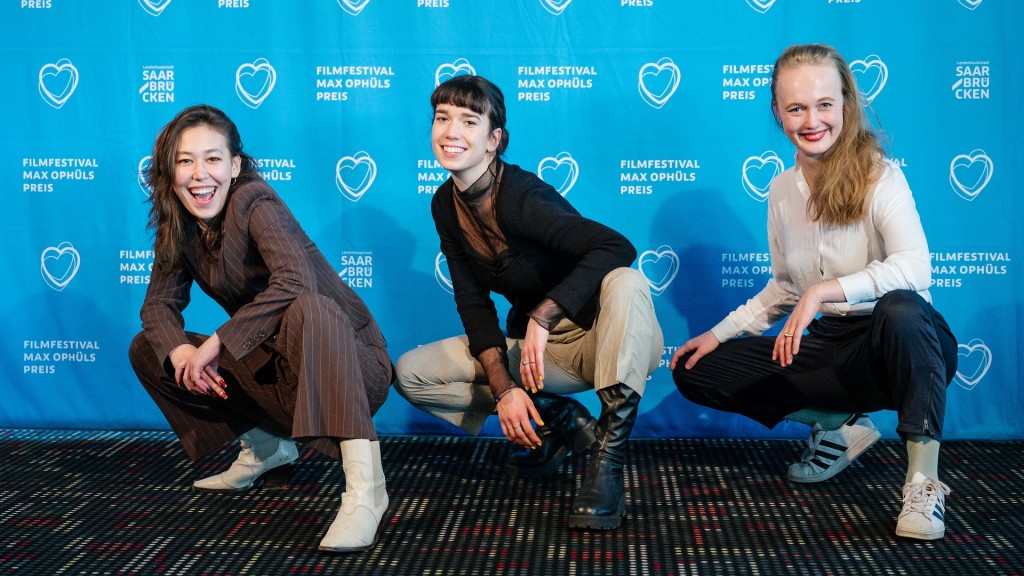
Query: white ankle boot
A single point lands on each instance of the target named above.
(261, 452)
(364, 502)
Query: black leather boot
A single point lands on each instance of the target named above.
(568, 426)
(601, 502)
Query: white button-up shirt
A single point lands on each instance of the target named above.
(884, 251)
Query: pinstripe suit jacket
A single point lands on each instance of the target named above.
(265, 260)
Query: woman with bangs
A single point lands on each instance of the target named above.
(580, 317)
(847, 244)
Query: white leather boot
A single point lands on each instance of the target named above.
(364, 502)
(261, 452)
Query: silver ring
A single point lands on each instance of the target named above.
(527, 363)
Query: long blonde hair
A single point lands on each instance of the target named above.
(850, 168)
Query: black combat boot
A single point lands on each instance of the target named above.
(601, 502)
(567, 426)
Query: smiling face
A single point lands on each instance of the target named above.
(809, 105)
(203, 169)
(463, 142)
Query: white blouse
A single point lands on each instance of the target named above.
(884, 251)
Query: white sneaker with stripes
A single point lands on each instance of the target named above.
(924, 509)
(828, 452)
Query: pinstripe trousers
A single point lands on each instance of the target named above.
(316, 380)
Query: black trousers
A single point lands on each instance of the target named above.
(902, 357)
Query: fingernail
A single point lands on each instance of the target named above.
(223, 395)
(541, 422)
(223, 384)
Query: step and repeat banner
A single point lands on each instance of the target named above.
(651, 116)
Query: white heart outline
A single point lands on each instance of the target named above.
(655, 69)
(54, 253)
(444, 281)
(247, 69)
(862, 66)
(970, 4)
(652, 257)
(976, 345)
(449, 71)
(143, 168)
(154, 8)
(969, 193)
(54, 69)
(760, 6)
(354, 193)
(353, 8)
(766, 157)
(555, 162)
(556, 7)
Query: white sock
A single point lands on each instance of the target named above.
(922, 456)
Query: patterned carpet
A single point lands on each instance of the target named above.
(120, 503)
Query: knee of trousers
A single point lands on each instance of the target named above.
(310, 304)
(901, 307)
(621, 283)
(690, 384)
(409, 376)
(138, 351)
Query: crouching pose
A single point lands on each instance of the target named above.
(301, 357)
(580, 318)
(846, 241)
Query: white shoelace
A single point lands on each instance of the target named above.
(921, 496)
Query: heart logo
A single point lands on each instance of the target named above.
(57, 82)
(973, 361)
(871, 72)
(556, 7)
(353, 7)
(970, 173)
(970, 4)
(441, 273)
(154, 7)
(758, 172)
(143, 168)
(658, 81)
(564, 170)
(761, 6)
(259, 75)
(58, 265)
(359, 169)
(445, 72)
(660, 267)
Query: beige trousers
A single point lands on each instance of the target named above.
(623, 346)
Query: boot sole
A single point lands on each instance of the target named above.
(583, 440)
(540, 471)
(598, 522)
(274, 479)
(376, 536)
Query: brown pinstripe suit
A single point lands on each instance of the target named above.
(302, 355)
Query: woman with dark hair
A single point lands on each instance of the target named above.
(580, 318)
(847, 243)
(300, 358)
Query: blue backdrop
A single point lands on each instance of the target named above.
(651, 116)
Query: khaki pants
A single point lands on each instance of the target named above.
(623, 346)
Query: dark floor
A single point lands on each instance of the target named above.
(121, 503)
